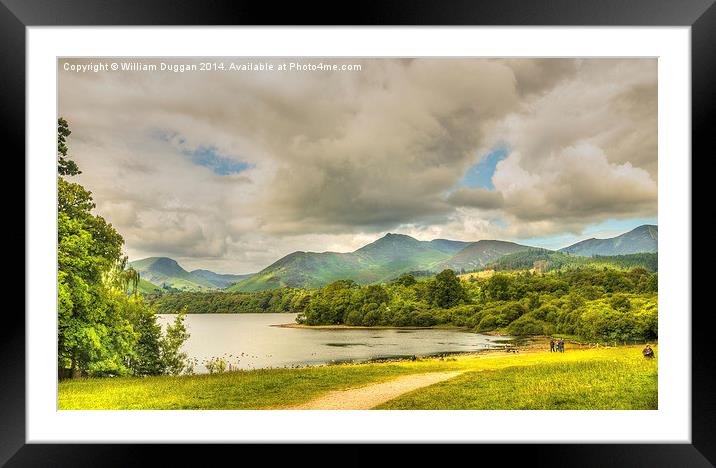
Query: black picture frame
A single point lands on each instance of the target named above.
(700, 15)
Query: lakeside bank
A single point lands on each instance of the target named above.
(533, 378)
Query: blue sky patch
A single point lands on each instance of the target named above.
(208, 156)
(203, 155)
(480, 174)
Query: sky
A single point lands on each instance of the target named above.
(230, 170)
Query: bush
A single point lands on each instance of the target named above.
(526, 325)
(216, 365)
(487, 323)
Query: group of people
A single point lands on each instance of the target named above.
(556, 346)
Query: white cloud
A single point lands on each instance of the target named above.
(338, 159)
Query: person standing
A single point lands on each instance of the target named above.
(551, 345)
(560, 345)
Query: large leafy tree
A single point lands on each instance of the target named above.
(103, 329)
(446, 290)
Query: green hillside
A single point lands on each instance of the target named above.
(163, 272)
(381, 260)
(218, 280)
(548, 260)
(145, 287)
(395, 254)
(478, 254)
(448, 246)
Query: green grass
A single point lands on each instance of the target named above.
(591, 385)
(257, 389)
(145, 287)
(603, 378)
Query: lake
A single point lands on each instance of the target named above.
(249, 341)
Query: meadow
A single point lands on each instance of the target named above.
(600, 378)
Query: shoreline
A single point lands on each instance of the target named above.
(386, 327)
(362, 327)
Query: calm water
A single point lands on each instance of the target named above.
(249, 341)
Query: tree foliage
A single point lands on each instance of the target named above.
(173, 359)
(571, 301)
(65, 166)
(104, 327)
(547, 260)
(597, 304)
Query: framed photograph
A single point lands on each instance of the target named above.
(426, 223)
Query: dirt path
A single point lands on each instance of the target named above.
(372, 395)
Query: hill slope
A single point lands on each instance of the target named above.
(219, 280)
(448, 246)
(163, 271)
(642, 239)
(381, 260)
(550, 260)
(480, 253)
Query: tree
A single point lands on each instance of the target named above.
(104, 327)
(406, 279)
(65, 166)
(173, 359)
(147, 356)
(93, 335)
(446, 290)
(498, 287)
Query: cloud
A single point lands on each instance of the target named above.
(577, 185)
(607, 102)
(477, 198)
(235, 170)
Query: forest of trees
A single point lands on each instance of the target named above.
(104, 327)
(219, 302)
(548, 260)
(600, 304)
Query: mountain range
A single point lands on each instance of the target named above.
(642, 239)
(166, 272)
(381, 260)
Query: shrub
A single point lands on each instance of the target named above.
(526, 325)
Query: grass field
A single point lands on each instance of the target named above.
(601, 378)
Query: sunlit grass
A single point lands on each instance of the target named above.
(603, 378)
(603, 382)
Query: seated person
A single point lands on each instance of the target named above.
(648, 352)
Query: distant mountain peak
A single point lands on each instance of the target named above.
(389, 241)
(164, 265)
(641, 239)
(166, 260)
(396, 236)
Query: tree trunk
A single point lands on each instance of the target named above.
(74, 371)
